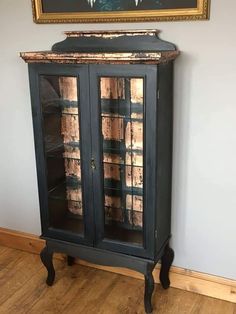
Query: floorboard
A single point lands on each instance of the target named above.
(80, 289)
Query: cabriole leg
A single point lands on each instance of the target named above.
(46, 258)
(149, 287)
(166, 262)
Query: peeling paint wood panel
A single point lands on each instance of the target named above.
(112, 34)
(101, 58)
(68, 88)
(70, 129)
(112, 88)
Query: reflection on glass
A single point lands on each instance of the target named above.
(122, 111)
(60, 108)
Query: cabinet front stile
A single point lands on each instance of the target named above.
(61, 120)
(123, 102)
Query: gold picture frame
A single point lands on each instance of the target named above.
(200, 12)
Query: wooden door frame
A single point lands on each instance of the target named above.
(149, 73)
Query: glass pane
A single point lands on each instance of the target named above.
(122, 111)
(60, 110)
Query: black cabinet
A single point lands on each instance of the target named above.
(102, 114)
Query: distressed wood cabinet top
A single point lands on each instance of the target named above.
(135, 46)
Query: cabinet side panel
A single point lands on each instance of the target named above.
(164, 154)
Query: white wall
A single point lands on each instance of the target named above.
(204, 188)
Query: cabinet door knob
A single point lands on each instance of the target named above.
(93, 165)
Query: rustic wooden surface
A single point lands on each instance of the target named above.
(112, 34)
(102, 58)
(185, 279)
(80, 289)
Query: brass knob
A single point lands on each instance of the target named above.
(93, 165)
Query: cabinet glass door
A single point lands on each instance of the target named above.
(120, 108)
(61, 116)
(122, 111)
(62, 140)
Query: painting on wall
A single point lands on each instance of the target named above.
(92, 11)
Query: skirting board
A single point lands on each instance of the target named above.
(188, 280)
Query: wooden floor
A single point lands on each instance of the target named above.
(80, 289)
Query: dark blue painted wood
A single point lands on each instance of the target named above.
(164, 154)
(158, 121)
(137, 43)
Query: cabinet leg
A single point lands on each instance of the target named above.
(46, 258)
(166, 262)
(70, 260)
(149, 287)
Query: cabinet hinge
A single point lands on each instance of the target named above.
(155, 234)
(158, 94)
